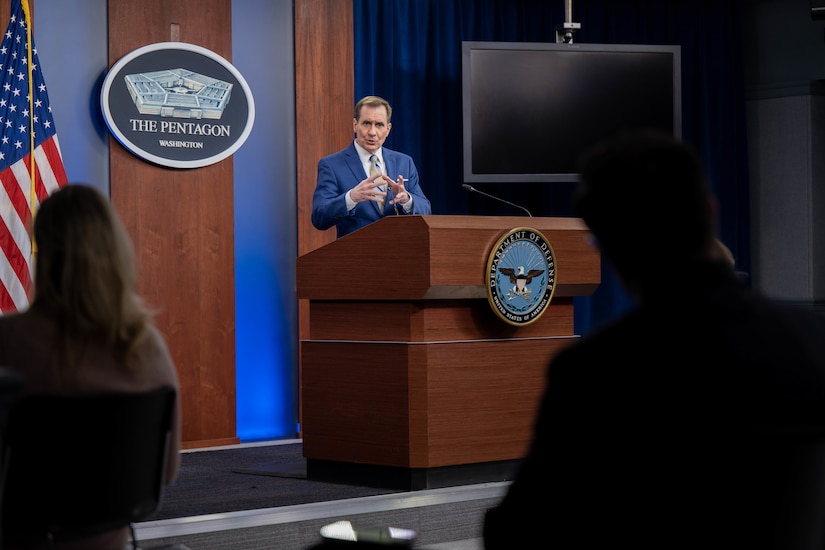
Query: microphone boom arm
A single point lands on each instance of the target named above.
(472, 189)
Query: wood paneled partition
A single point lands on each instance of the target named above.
(182, 224)
(181, 220)
(324, 102)
(324, 99)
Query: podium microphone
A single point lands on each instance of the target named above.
(469, 187)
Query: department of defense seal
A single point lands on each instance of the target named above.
(521, 276)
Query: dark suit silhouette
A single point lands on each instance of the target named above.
(640, 439)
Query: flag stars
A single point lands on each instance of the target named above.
(25, 115)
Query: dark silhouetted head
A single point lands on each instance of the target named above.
(645, 198)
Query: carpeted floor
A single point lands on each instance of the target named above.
(248, 478)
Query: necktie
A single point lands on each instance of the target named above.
(376, 169)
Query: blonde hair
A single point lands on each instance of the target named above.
(85, 275)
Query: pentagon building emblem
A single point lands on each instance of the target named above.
(177, 104)
(178, 93)
(521, 276)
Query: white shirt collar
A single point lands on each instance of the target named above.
(365, 155)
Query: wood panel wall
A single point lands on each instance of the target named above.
(324, 103)
(182, 224)
(181, 221)
(324, 99)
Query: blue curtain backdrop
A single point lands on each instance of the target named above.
(409, 52)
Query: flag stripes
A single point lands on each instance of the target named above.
(20, 115)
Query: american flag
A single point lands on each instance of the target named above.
(24, 109)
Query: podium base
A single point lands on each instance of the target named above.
(410, 479)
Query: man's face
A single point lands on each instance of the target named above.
(372, 129)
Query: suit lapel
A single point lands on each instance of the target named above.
(354, 163)
(389, 168)
(389, 162)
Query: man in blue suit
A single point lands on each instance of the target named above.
(354, 186)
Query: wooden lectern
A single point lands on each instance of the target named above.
(409, 378)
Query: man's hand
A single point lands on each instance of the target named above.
(367, 190)
(398, 189)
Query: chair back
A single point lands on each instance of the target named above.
(82, 465)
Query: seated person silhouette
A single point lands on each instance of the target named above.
(639, 440)
(87, 330)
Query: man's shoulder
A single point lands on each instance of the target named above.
(394, 153)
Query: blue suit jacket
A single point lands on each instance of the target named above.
(341, 171)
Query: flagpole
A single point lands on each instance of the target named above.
(29, 70)
(30, 168)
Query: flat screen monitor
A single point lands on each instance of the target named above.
(529, 109)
